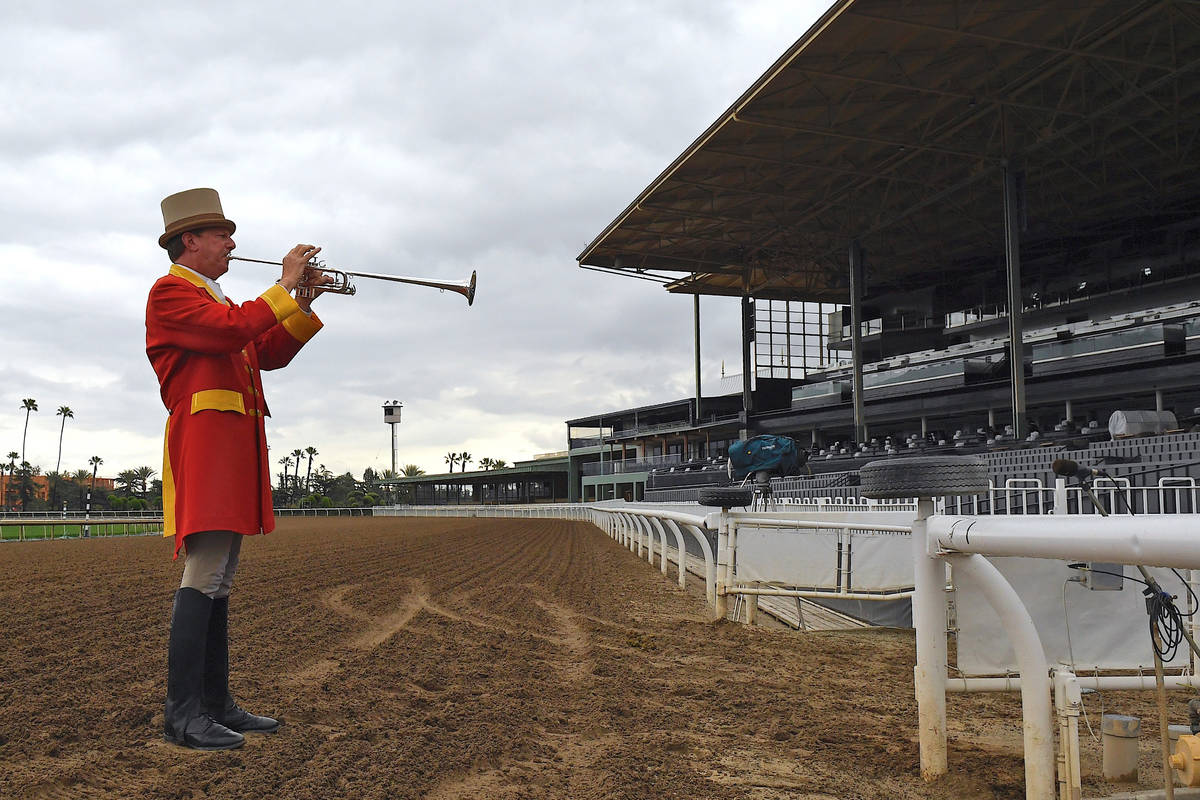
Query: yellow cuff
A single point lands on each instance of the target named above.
(303, 327)
(282, 304)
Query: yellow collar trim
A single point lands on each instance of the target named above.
(180, 271)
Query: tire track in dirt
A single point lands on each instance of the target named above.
(576, 668)
(573, 668)
(378, 629)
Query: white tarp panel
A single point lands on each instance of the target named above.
(1141, 423)
(1080, 627)
(877, 561)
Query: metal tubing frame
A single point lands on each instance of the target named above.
(768, 591)
(1068, 704)
(682, 553)
(694, 525)
(662, 538)
(1112, 683)
(1147, 540)
(1031, 658)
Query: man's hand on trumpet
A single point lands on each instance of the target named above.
(297, 272)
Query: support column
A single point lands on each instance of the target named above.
(1158, 400)
(1070, 416)
(747, 366)
(856, 289)
(394, 472)
(696, 348)
(1012, 259)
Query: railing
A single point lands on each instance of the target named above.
(620, 466)
(33, 525)
(1024, 496)
(29, 526)
(573, 511)
(363, 511)
(5, 516)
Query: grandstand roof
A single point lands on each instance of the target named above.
(890, 122)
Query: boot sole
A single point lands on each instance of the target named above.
(182, 743)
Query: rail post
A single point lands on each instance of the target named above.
(929, 620)
(721, 606)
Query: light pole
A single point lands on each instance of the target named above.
(391, 415)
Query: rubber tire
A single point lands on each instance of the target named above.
(923, 476)
(727, 497)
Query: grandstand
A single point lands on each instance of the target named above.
(993, 251)
(932, 401)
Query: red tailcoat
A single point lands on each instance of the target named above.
(207, 355)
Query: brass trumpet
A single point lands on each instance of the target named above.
(340, 279)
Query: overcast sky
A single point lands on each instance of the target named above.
(420, 139)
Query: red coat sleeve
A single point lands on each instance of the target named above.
(182, 317)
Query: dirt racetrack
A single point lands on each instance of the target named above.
(465, 658)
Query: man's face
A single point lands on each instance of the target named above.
(209, 251)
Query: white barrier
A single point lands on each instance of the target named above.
(1163, 541)
(533, 510)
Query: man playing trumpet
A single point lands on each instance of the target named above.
(207, 352)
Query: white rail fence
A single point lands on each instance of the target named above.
(1170, 495)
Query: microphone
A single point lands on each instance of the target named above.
(1071, 469)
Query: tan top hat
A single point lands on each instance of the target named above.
(192, 210)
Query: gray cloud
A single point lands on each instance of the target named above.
(406, 138)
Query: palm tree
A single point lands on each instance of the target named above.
(95, 461)
(13, 455)
(411, 471)
(286, 461)
(499, 463)
(25, 485)
(312, 451)
(452, 459)
(127, 479)
(144, 474)
(323, 476)
(79, 478)
(297, 454)
(54, 484)
(29, 404)
(485, 463)
(465, 458)
(66, 413)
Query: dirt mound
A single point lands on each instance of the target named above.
(464, 658)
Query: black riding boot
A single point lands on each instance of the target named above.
(217, 700)
(186, 721)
